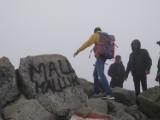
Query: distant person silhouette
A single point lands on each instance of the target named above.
(117, 72)
(139, 64)
(158, 68)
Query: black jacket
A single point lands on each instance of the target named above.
(139, 62)
(116, 71)
(158, 65)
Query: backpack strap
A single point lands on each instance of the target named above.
(91, 52)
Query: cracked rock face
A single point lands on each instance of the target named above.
(8, 84)
(52, 81)
(24, 109)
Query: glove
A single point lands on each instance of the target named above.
(158, 77)
(76, 53)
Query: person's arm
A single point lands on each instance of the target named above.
(148, 62)
(128, 68)
(158, 66)
(123, 71)
(93, 39)
(110, 70)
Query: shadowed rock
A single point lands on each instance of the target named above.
(25, 109)
(127, 97)
(150, 102)
(8, 83)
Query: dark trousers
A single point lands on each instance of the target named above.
(137, 79)
(116, 83)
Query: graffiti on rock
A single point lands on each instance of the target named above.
(54, 76)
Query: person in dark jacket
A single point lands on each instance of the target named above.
(158, 72)
(158, 68)
(117, 73)
(139, 64)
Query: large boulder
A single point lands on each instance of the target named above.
(52, 81)
(150, 102)
(97, 105)
(8, 83)
(127, 97)
(88, 87)
(24, 109)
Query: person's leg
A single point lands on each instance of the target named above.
(100, 70)
(120, 83)
(117, 83)
(136, 80)
(101, 86)
(96, 82)
(113, 83)
(136, 85)
(144, 82)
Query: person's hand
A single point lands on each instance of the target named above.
(147, 72)
(157, 79)
(125, 77)
(76, 53)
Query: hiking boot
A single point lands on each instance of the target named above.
(96, 94)
(103, 94)
(110, 97)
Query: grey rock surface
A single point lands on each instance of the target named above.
(8, 84)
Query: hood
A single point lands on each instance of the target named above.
(136, 45)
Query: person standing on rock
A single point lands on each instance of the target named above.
(99, 66)
(158, 68)
(117, 72)
(139, 64)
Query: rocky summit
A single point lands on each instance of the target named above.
(46, 87)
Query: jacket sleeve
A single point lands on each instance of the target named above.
(123, 71)
(148, 60)
(158, 65)
(128, 68)
(110, 70)
(93, 39)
